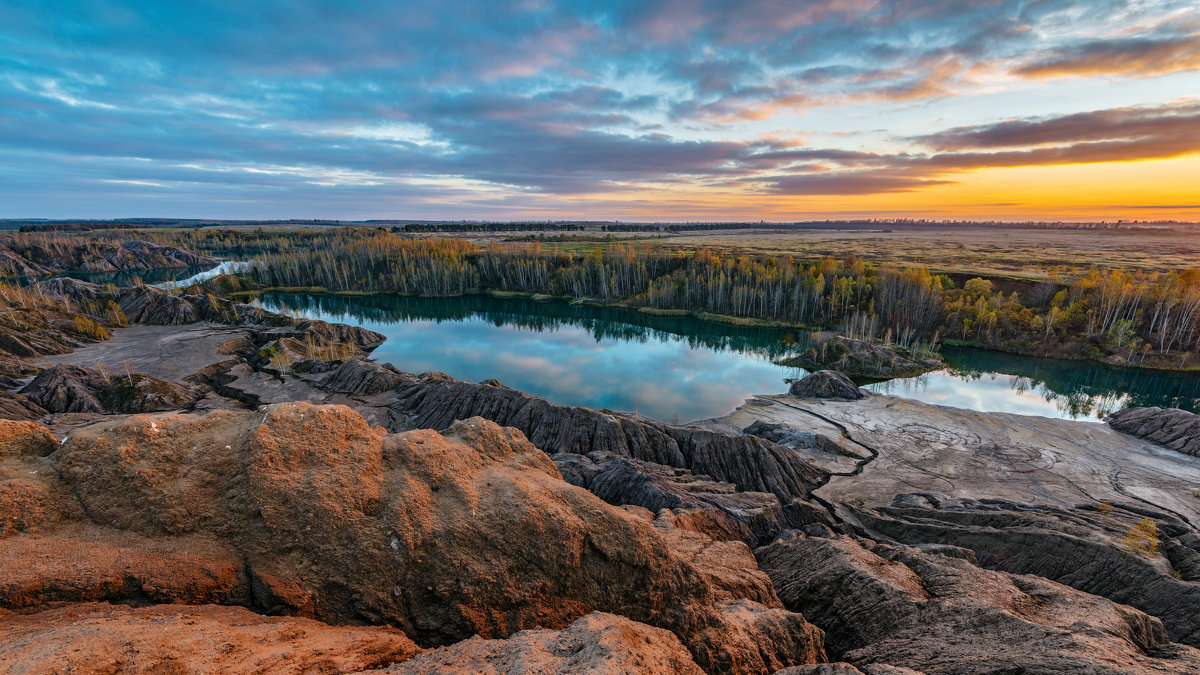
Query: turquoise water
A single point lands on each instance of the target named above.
(682, 368)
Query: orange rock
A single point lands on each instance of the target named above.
(597, 643)
(308, 510)
(25, 439)
(36, 570)
(103, 638)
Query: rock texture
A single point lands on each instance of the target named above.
(359, 378)
(1085, 548)
(1173, 428)
(311, 342)
(64, 388)
(25, 439)
(60, 315)
(596, 643)
(826, 384)
(728, 513)
(307, 510)
(104, 638)
(90, 255)
(842, 668)
(158, 307)
(74, 564)
(30, 495)
(226, 284)
(18, 406)
(919, 447)
(13, 265)
(939, 613)
(435, 400)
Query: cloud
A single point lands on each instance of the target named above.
(1176, 121)
(1119, 134)
(1116, 135)
(540, 104)
(1131, 57)
(851, 183)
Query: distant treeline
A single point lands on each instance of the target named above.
(570, 226)
(1142, 318)
(144, 223)
(488, 227)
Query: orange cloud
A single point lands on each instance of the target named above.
(1131, 57)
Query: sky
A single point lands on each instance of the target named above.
(693, 110)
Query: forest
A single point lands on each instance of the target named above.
(1141, 318)
(1125, 317)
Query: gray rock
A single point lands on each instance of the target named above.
(325, 333)
(865, 359)
(434, 401)
(842, 668)
(158, 307)
(19, 407)
(752, 517)
(1081, 547)
(896, 605)
(784, 434)
(826, 384)
(73, 289)
(359, 378)
(66, 388)
(1172, 428)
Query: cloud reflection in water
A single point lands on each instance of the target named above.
(688, 369)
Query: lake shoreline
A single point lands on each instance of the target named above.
(502, 327)
(703, 316)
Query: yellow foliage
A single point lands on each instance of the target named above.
(86, 326)
(1142, 537)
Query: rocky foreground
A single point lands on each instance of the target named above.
(253, 495)
(33, 256)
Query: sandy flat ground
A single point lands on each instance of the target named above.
(966, 453)
(168, 352)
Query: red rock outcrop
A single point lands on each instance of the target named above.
(104, 638)
(307, 510)
(25, 439)
(40, 570)
(597, 643)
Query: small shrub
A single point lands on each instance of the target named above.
(1177, 574)
(280, 361)
(1105, 509)
(85, 326)
(1142, 537)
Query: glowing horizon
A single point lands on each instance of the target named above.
(668, 111)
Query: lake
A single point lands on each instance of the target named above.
(680, 368)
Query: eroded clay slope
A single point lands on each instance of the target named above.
(307, 510)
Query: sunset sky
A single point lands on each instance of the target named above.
(654, 111)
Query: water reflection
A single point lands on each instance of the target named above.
(603, 323)
(996, 381)
(676, 367)
(196, 275)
